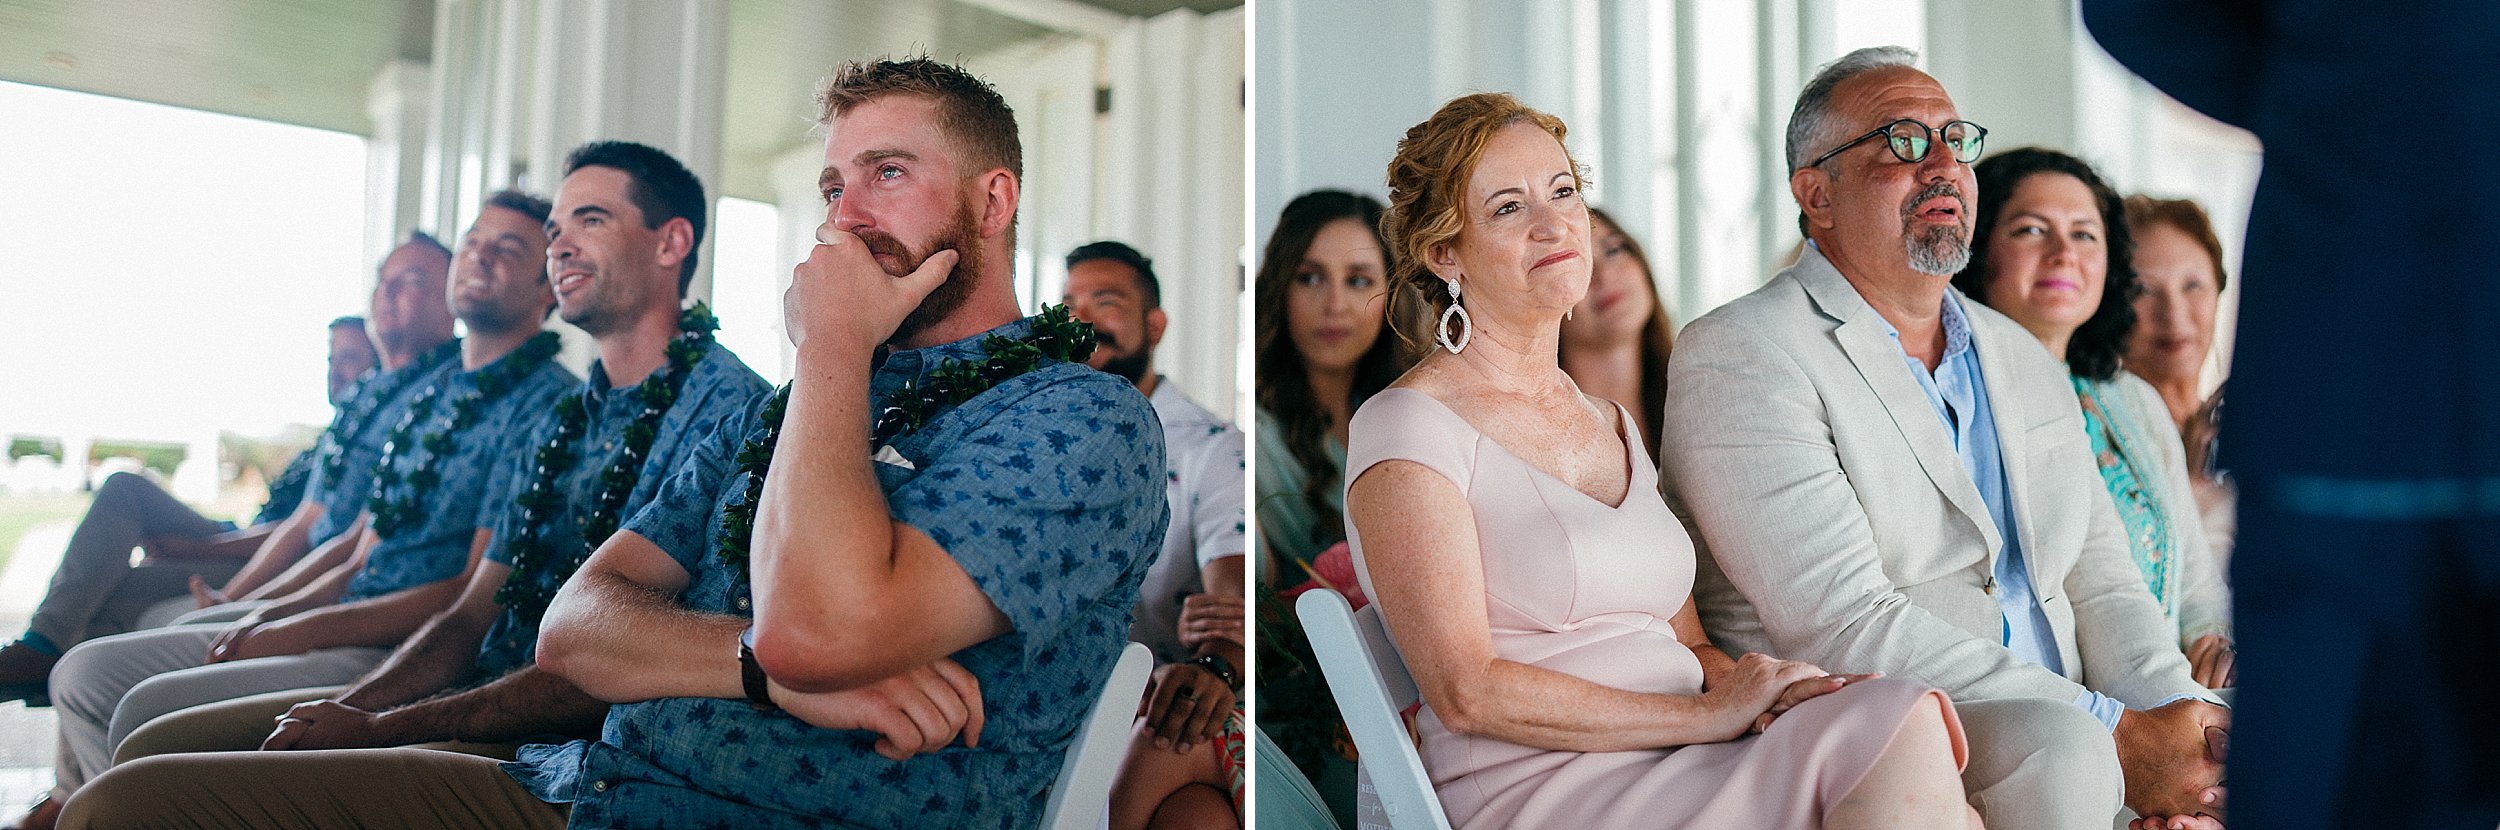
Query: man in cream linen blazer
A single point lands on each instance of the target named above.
(1838, 523)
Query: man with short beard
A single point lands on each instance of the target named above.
(948, 508)
(1191, 608)
(1884, 477)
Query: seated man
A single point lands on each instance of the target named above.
(661, 385)
(1885, 478)
(424, 518)
(965, 520)
(1184, 764)
(97, 592)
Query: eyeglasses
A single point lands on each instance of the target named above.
(1909, 139)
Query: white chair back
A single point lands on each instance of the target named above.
(1370, 683)
(1081, 798)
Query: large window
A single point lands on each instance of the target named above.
(747, 280)
(169, 272)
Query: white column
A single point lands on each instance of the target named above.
(635, 70)
(2010, 66)
(1168, 179)
(398, 101)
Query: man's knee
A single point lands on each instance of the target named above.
(131, 795)
(119, 486)
(2043, 752)
(81, 680)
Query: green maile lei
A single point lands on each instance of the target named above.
(351, 419)
(392, 515)
(525, 591)
(1056, 336)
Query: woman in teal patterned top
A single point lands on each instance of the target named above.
(2051, 251)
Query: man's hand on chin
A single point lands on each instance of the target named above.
(2173, 763)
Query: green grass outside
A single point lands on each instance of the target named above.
(21, 513)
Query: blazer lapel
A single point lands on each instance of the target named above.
(1880, 362)
(2013, 423)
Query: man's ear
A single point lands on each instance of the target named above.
(999, 194)
(676, 242)
(1156, 320)
(1812, 188)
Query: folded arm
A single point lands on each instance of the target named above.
(616, 630)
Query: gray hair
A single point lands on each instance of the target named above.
(1810, 124)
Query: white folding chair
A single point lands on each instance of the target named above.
(1081, 798)
(1369, 681)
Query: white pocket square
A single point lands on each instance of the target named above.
(887, 455)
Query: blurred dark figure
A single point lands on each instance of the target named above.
(2365, 399)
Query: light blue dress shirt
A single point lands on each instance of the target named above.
(1958, 391)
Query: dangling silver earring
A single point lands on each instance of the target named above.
(1466, 325)
(1566, 315)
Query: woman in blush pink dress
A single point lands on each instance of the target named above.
(1510, 531)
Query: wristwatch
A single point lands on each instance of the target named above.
(1222, 669)
(751, 673)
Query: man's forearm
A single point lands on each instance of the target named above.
(523, 704)
(333, 560)
(438, 657)
(382, 621)
(823, 534)
(283, 547)
(621, 643)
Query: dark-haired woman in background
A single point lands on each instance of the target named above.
(2051, 250)
(1615, 343)
(1323, 348)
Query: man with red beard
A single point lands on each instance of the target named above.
(1883, 477)
(955, 520)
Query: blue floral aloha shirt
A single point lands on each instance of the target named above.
(1047, 489)
(718, 396)
(438, 547)
(342, 500)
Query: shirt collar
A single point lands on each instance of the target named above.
(915, 363)
(1957, 331)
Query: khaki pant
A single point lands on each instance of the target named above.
(106, 688)
(241, 725)
(340, 788)
(2038, 763)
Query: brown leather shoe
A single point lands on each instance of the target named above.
(45, 814)
(21, 665)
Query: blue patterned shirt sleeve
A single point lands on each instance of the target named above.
(1056, 502)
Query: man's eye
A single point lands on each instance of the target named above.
(889, 172)
(832, 193)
